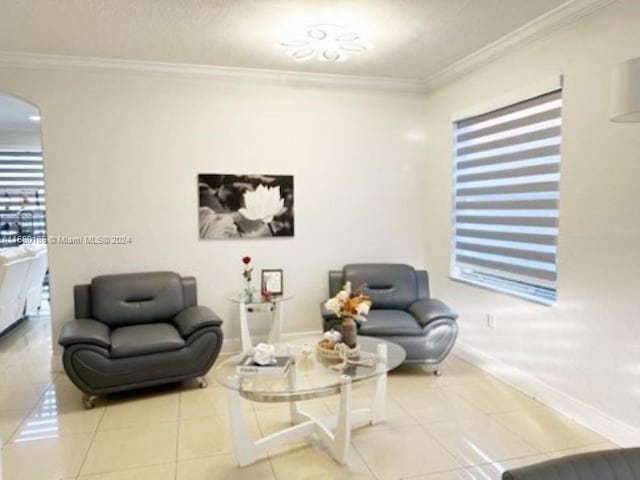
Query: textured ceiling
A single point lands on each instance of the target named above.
(412, 39)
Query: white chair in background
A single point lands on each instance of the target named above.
(14, 268)
(35, 277)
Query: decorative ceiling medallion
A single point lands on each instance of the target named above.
(326, 42)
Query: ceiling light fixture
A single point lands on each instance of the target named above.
(325, 42)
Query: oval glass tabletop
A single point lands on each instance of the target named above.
(312, 376)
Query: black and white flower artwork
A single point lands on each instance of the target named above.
(245, 206)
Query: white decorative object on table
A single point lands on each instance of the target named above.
(331, 347)
(333, 336)
(264, 354)
(306, 350)
(306, 362)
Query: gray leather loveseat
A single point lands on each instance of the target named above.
(138, 330)
(402, 312)
(617, 464)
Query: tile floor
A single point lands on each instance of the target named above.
(462, 425)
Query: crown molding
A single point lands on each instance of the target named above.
(276, 77)
(560, 17)
(554, 20)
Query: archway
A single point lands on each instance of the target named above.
(24, 289)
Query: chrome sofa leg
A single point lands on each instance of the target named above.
(89, 401)
(202, 383)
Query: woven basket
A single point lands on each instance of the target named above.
(331, 354)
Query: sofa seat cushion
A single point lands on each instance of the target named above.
(144, 339)
(390, 322)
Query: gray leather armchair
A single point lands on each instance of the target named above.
(402, 310)
(138, 330)
(618, 464)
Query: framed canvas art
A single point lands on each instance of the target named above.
(245, 206)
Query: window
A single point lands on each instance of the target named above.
(506, 178)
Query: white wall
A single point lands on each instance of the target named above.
(122, 153)
(587, 347)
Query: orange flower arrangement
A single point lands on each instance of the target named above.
(348, 303)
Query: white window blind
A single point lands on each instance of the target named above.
(506, 180)
(22, 200)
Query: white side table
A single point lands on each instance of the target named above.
(273, 305)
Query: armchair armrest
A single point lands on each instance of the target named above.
(85, 330)
(193, 318)
(427, 310)
(329, 319)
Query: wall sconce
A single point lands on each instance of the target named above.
(625, 99)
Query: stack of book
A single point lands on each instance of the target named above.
(248, 367)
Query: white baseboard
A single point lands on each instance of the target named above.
(591, 417)
(232, 345)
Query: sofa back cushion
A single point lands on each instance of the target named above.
(135, 298)
(390, 285)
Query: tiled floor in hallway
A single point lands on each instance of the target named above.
(464, 424)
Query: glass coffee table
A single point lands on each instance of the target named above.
(308, 378)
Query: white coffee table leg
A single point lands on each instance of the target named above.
(242, 444)
(244, 328)
(276, 323)
(293, 406)
(343, 427)
(378, 402)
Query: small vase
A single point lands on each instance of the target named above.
(349, 332)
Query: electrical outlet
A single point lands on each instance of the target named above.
(491, 320)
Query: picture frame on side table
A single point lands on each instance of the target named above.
(272, 281)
